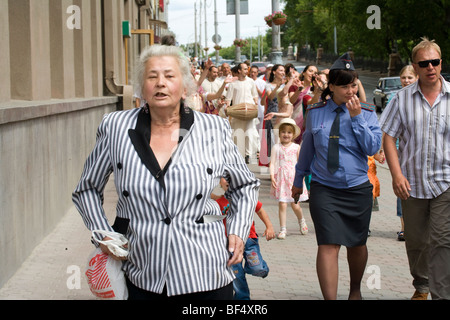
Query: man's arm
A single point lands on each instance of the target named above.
(400, 184)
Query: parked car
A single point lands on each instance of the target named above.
(385, 88)
(261, 66)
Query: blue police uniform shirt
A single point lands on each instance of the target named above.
(359, 137)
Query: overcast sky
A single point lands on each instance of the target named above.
(181, 20)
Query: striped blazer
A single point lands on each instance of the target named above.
(170, 244)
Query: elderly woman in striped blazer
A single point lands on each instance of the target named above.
(166, 160)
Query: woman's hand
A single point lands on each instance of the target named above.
(298, 83)
(353, 106)
(236, 249)
(269, 116)
(296, 192)
(106, 250)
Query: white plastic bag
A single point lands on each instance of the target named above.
(104, 274)
(117, 243)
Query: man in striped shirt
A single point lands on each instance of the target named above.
(419, 116)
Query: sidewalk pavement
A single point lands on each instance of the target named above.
(55, 269)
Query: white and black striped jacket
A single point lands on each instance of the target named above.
(168, 241)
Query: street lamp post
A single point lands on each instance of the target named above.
(276, 54)
(215, 31)
(237, 8)
(195, 37)
(260, 44)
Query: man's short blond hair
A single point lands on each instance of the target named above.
(425, 44)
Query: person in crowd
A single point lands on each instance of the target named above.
(168, 40)
(372, 174)
(254, 263)
(418, 116)
(282, 172)
(285, 106)
(407, 76)
(225, 71)
(274, 86)
(266, 74)
(243, 91)
(340, 132)
(165, 168)
(307, 76)
(212, 84)
(260, 88)
(320, 82)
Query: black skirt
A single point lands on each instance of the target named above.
(341, 216)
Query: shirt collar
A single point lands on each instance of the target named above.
(445, 88)
(334, 106)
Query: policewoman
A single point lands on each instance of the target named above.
(340, 133)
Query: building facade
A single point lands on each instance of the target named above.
(64, 64)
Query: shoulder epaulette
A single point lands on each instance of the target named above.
(317, 105)
(368, 106)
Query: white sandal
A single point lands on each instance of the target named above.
(303, 227)
(282, 235)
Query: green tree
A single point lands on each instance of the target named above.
(403, 23)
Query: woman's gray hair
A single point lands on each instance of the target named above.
(157, 50)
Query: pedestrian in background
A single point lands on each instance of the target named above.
(418, 116)
(243, 90)
(407, 76)
(307, 76)
(275, 85)
(340, 133)
(260, 88)
(372, 174)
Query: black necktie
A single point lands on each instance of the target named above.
(333, 144)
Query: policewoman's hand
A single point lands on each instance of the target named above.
(353, 106)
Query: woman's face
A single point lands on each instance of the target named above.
(343, 93)
(279, 73)
(407, 77)
(163, 82)
(308, 74)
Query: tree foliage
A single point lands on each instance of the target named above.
(403, 23)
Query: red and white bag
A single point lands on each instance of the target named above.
(104, 274)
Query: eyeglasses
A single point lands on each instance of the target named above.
(425, 63)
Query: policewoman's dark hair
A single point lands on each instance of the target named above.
(338, 77)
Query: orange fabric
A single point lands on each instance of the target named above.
(372, 174)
